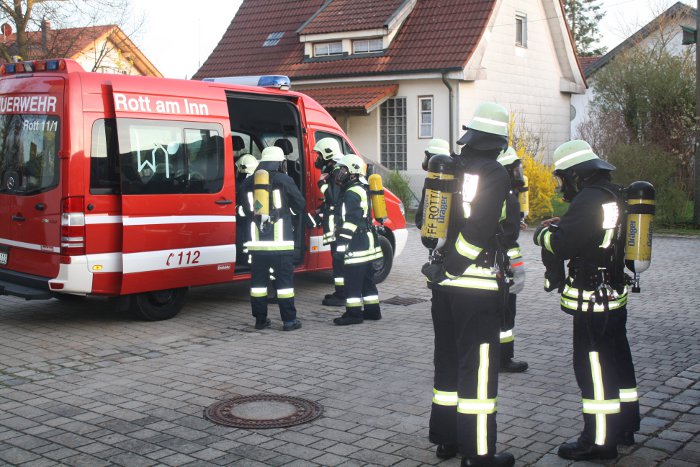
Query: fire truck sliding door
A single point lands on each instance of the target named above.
(178, 216)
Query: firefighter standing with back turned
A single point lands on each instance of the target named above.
(358, 245)
(511, 231)
(329, 153)
(589, 235)
(467, 277)
(272, 199)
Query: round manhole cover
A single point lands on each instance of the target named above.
(263, 411)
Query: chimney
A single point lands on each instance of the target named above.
(45, 27)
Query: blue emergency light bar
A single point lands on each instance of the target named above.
(280, 82)
(32, 66)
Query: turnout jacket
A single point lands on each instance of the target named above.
(285, 201)
(588, 236)
(331, 197)
(477, 209)
(511, 226)
(356, 237)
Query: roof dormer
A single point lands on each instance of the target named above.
(369, 30)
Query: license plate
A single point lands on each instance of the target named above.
(4, 254)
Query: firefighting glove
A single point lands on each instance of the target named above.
(554, 276)
(434, 272)
(518, 269)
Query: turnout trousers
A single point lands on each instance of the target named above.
(467, 348)
(261, 266)
(507, 329)
(605, 375)
(360, 289)
(338, 277)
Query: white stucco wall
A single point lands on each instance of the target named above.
(113, 62)
(526, 80)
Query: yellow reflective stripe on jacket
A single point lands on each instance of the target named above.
(514, 253)
(629, 395)
(572, 304)
(608, 407)
(546, 241)
(258, 291)
(285, 293)
(466, 249)
(446, 398)
(363, 197)
(599, 406)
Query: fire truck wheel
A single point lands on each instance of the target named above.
(159, 305)
(382, 267)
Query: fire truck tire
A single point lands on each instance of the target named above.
(158, 305)
(382, 267)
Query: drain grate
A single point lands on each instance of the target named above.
(263, 411)
(403, 301)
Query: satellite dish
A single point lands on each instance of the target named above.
(6, 29)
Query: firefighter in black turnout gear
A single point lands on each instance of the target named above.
(467, 278)
(329, 153)
(358, 245)
(590, 236)
(511, 231)
(272, 199)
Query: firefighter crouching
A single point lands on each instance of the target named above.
(272, 198)
(590, 236)
(511, 231)
(467, 278)
(357, 243)
(329, 153)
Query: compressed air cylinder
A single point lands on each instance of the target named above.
(437, 203)
(641, 207)
(376, 192)
(261, 194)
(524, 199)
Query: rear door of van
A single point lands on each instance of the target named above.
(178, 199)
(31, 127)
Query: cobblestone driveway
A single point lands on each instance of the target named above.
(82, 386)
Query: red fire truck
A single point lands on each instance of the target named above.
(124, 186)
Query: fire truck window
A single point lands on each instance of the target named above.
(104, 158)
(28, 153)
(161, 157)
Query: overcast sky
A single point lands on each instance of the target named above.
(178, 39)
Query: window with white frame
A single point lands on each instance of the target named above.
(521, 29)
(326, 49)
(425, 117)
(393, 133)
(365, 46)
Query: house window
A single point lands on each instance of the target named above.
(365, 46)
(425, 117)
(328, 48)
(521, 29)
(393, 133)
(273, 39)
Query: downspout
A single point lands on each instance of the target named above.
(451, 106)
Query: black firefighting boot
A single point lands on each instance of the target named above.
(262, 323)
(500, 459)
(372, 315)
(334, 299)
(581, 450)
(511, 366)
(349, 317)
(446, 451)
(625, 438)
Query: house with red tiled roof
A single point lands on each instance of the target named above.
(104, 49)
(397, 73)
(663, 31)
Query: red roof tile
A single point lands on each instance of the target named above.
(588, 61)
(352, 97)
(66, 42)
(438, 35)
(351, 15)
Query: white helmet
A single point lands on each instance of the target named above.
(246, 164)
(329, 148)
(272, 154)
(354, 163)
(438, 146)
(508, 157)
